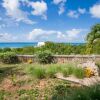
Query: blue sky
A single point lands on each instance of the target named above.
(47, 20)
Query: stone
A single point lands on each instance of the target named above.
(92, 66)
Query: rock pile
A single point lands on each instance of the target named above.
(92, 66)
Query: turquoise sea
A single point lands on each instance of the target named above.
(24, 44)
(17, 44)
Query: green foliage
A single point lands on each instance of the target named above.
(51, 71)
(1, 50)
(18, 50)
(60, 93)
(45, 57)
(94, 35)
(92, 93)
(96, 47)
(61, 89)
(86, 93)
(8, 58)
(72, 69)
(30, 94)
(4, 94)
(28, 50)
(79, 72)
(37, 72)
(93, 40)
(55, 48)
(6, 49)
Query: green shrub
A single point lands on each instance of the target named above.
(37, 72)
(98, 64)
(51, 71)
(31, 94)
(87, 93)
(6, 49)
(60, 93)
(45, 57)
(8, 58)
(72, 69)
(82, 93)
(4, 94)
(79, 72)
(65, 71)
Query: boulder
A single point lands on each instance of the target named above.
(90, 65)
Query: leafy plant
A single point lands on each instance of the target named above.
(8, 58)
(4, 94)
(79, 72)
(37, 72)
(28, 94)
(51, 71)
(45, 57)
(82, 93)
(72, 69)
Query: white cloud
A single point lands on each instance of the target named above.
(58, 1)
(13, 10)
(9, 37)
(95, 11)
(73, 33)
(38, 35)
(61, 9)
(2, 26)
(76, 13)
(61, 4)
(81, 10)
(5, 37)
(73, 14)
(53, 35)
(39, 8)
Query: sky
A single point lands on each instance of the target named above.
(47, 20)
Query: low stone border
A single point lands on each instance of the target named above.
(84, 82)
(64, 58)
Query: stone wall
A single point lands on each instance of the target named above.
(64, 58)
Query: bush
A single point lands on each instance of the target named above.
(79, 72)
(60, 93)
(72, 69)
(37, 72)
(8, 58)
(31, 94)
(6, 49)
(45, 57)
(51, 71)
(82, 93)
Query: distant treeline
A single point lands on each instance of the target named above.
(56, 48)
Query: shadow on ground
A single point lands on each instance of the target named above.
(8, 71)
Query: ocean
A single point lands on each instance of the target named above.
(17, 44)
(24, 44)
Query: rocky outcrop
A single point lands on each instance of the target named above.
(92, 66)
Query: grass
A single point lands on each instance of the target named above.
(35, 81)
(83, 93)
(49, 71)
(38, 72)
(4, 94)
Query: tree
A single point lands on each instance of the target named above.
(93, 37)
